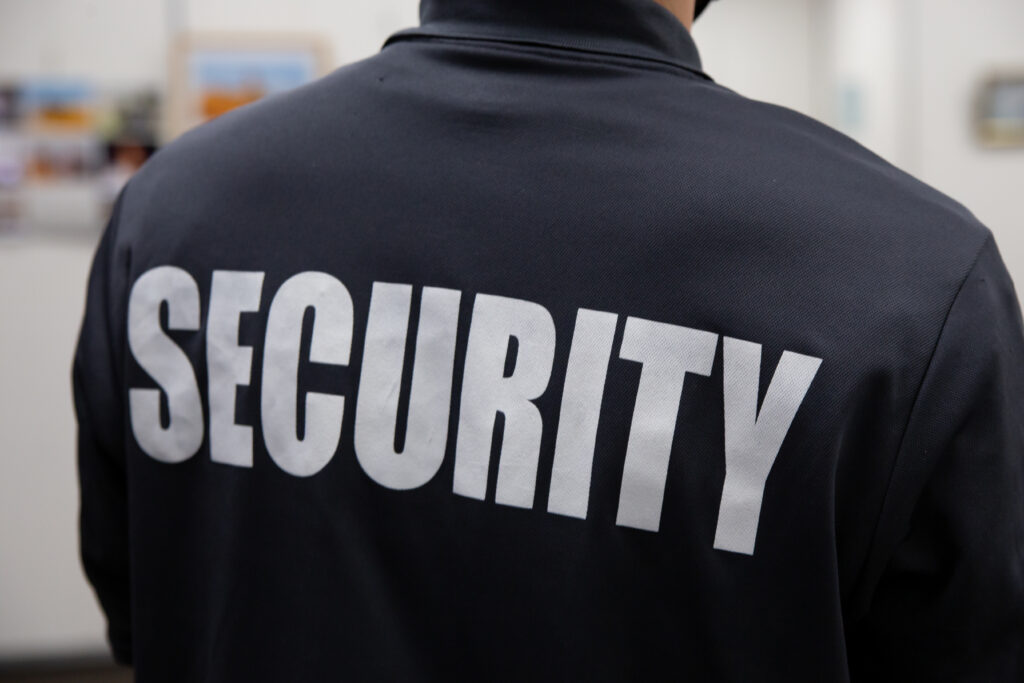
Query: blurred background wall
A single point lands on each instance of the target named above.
(901, 76)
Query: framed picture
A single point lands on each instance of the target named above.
(999, 119)
(59, 106)
(214, 73)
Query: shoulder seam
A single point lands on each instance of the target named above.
(856, 585)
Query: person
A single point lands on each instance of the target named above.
(523, 350)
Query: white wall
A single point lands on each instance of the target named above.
(956, 51)
(865, 58)
(120, 42)
(45, 604)
(354, 29)
(917, 65)
(763, 49)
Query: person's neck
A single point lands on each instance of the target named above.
(682, 9)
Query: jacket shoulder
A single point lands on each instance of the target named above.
(248, 150)
(842, 188)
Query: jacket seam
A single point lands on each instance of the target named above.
(872, 545)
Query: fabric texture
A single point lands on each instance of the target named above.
(523, 350)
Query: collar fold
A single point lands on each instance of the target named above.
(631, 28)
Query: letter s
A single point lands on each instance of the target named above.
(166, 363)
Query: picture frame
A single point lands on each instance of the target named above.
(999, 111)
(212, 73)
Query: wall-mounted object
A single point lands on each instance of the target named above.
(56, 106)
(213, 73)
(67, 147)
(999, 115)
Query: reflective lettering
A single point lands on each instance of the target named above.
(431, 393)
(581, 408)
(486, 391)
(668, 353)
(228, 364)
(753, 439)
(330, 344)
(166, 363)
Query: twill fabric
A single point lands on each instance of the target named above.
(522, 350)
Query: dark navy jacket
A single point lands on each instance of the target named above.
(524, 351)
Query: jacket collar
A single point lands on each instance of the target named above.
(631, 28)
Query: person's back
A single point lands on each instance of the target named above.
(522, 350)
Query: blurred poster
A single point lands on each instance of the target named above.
(66, 149)
(999, 120)
(57, 105)
(213, 74)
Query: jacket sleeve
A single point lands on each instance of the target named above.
(99, 407)
(948, 604)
